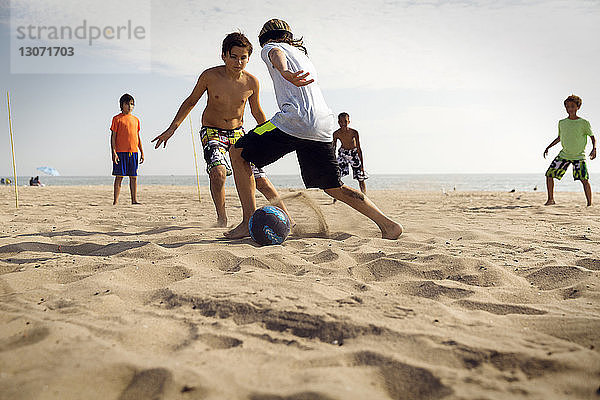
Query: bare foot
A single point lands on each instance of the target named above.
(114, 203)
(240, 231)
(391, 231)
(135, 202)
(550, 203)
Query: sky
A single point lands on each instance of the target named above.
(431, 86)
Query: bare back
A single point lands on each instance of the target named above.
(227, 97)
(348, 137)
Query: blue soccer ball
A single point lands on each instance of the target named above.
(269, 225)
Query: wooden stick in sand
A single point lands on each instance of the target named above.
(12, 146)
(195, 159)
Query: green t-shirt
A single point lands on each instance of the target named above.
(573, 135)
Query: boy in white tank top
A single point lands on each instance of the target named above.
(304, 124)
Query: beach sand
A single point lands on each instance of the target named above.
(485, 296)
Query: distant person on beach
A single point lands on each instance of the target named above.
(35, 181)
(349, 153)
(124, 143)
(229, 87)
(304, 124)
(573, 132)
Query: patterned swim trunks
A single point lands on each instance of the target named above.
(216, 144)
(559, 166)
(349, 158)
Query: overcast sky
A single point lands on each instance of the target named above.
(431, 86)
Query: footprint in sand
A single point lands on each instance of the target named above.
(589, 263)
(27, 338)
(431, 290)
(299, 324)
(466, 270)
(383, 268)
(148, 384)
(295, 396)
(330, 258)
(474, 357)
(400, 381)
(280, 263)
(499, 309)
(84, 249)
(219, 341)
(403, 381)
(554, 277)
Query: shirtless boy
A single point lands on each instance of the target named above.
(229, 87)
(349, 153)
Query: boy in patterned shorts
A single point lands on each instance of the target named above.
(349, 153)
(572, 135)
(228, 86)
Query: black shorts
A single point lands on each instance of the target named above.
(266, 144)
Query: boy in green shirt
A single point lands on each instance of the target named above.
(572, 135)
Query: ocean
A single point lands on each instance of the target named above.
(410, 182)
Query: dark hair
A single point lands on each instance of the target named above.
(343, 114)
(575, 99)
(237, 39)
(282, 36)
(126, 98)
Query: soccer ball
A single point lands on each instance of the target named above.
(269, 225)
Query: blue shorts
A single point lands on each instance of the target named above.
(127, 166)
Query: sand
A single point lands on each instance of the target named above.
(485, 296)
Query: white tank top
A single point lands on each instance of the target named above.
(304, 113)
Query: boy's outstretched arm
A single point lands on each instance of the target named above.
(185, 108)
(555, 141)
(593, 152)
(279, 61)
(254, 101)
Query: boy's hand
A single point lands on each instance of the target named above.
(115, 158)
(545, 152)
(163, 137)
(593, 154)
(141, 158)
(297, 78)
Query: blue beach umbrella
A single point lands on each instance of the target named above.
(49, 171)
